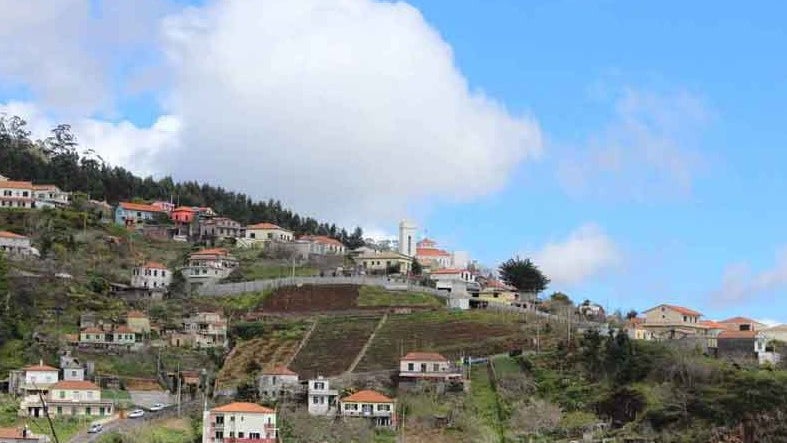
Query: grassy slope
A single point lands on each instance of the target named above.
(377, 296)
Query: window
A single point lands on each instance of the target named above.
(685, 318)
(423, 367)
(62, 394)
(315, 400)
(383, 407)
(254, 435)
(232, 418)
(73, 373)
(88, 411)
(219, 435)
(411, 366)
(219, 419)
(240, 434)
(319, 385)
(436, 367)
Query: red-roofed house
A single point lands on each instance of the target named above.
(70, 398)
(321, 245)
(742, 324)
(209, 265)
(278, 382)
(14, 244)
(380, 409)
(427, 366)
(239, 422)
(202, 330)
(151, 275)
(183, 214)
(673, 322)
(131, 214)
(16, 194)
(429, 256)
(20, 435)
(746, 345)
(120, 336)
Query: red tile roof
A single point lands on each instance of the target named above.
(79, 385)
(243, 407)
(122, 329)
(45, 187)
(680, 309)
(7, 234)
(431, 252)
(712, 324)
(40, 368)
(92, 331)
(497, 284)
(322, 239)
(448, 271)
(367, 396)
(280, 370)
(212, 251)
(424, 356)
(183, 209)
(738, 320)
(738, 334)
(16, 434)
(153, 265)
(140, 207)
(12, 184)
(266, 225)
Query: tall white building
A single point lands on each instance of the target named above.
(407, 241)
(239, 422)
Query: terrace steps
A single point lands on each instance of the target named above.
(303, 342)
(367, 344)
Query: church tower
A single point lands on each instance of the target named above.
(407, 238)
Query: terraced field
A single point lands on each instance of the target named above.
(333, 345)
(475, 333)
(312, 298)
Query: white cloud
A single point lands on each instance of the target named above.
(646, 150)
(587, 252)
(739, 283)
(120, 143)
(350, 109)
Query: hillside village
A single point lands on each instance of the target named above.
(263, 334)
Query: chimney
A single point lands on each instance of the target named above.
(41, 362)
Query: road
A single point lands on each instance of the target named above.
(125, 424)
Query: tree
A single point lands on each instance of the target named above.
(416, 268)
(631, 314)
(524, 275)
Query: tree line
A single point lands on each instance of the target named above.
(58, 159)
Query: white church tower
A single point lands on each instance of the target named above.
(407, 238)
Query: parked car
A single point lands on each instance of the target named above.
(136, 413)
(157, 407)
(95, 428)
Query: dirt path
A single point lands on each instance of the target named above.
(367, 344)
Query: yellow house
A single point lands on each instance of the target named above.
(671, 322)
(380, 262)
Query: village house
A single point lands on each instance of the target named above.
(50, 196)
(119, 337)
(69, 398)
(323, 245)
(209, 265)
(219, 228)
(14, 244)
(383, 262)
(427, 366)
(131, 214)
(430, 256)
(372, 405)
(151, 275)
(71, 368)
(745, 344)
(183, 215)
(260, 233)
(138, 322)
(16, 194)
(497, 291)
(321, 398)
(636, 330)
(37, 379)
(713, 330)
(742, 324)
(21, 435)
(278, 382)
(673, 322)
(202, 330)
(239, 422)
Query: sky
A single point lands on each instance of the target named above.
(634, 150)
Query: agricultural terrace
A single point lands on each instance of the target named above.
(377, 296)
(452, 333)
(327, 298)
(333, 345)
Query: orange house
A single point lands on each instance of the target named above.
(182, 214)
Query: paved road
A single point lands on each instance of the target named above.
(125, 424)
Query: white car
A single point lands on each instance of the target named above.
(157, 407)
(136, 413)
(95, 428)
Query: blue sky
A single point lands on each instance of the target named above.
(640, 146)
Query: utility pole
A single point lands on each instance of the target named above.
(179, 383)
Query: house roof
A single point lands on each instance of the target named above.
(123, 329)
(16, 434)
(79, 385)
(497, 284)
(45, 187)
(447, 271)
(368, 396)
(680, 309)
(280, 370)
(431, 252)
(265, 225)
(40, 368)
(738, 334)
(739, 319)
(424, 356)
(212, 251)
(243, 407)
(184, 209)
(383, 255)
(7, 234)
(140, 207)
(135, 314)
(713, 324)
(153, 265)
(323, 239)
(92, 331)
(13, 184)
(426, 243)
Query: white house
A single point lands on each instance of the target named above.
(202, 330)
(380, 409)
(277, 382)
(72, 369)
(323, 245)
(16, 194)
(50, 196)
(427, 366)
(239, 422)
(70, 398)
(14, 244)
(151, 275)
(119, 337)
(209, 265)
(321, 398)
(40, 377)
(264, 232)
(131, 214)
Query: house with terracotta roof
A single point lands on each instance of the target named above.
(427, 366)
(50, 196)
(239, 422)
(496, 291)
(16, 194)
(746, 344)
(208, 266)
(635, 329)
(151, 276)
(20, 435)
(132, 214)
(260, 233)
(14, 244)
(384, 261)
(372, 405)
(742, 324)
(119, 337)
(322, 400)
(307, 245)
(183, 214)
(430, 256)
(69, 398)
(713, 330)
(202, 330)
(668, 322)
(278, 382)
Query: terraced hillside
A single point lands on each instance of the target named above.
(333, 345)
(477, 333)
(312, 298)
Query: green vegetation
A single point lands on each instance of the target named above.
(65, 428)
(169, 431)
(484, 400)
(377, 296)
(524, 275)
